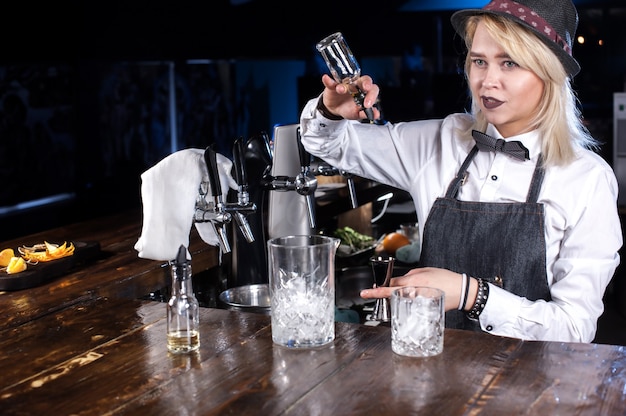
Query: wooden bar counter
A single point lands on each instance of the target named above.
(84, 345)
(116, 272)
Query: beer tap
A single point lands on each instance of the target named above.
(244, 206)
(304, 183)
(214, 211)
(247, 264)
(327, 170)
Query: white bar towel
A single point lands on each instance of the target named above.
(169, 191)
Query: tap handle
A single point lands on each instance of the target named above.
(352, 191)
(239, 162)
(210, 158)
(265, 138)
(244, 226)
(222, 236)
(351, 188)
(310, 208)
(305, 157)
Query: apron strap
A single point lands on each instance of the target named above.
(535, 183)
(459, 179)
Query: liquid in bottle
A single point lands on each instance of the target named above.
(182, 309)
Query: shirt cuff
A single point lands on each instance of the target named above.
(501, 310)
(321, 108)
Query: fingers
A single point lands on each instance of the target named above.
(446, 280)
(377, 293)
(364, 83)
(338, 97)
(371, 90)
(394, 283)
(385, 292)
(333, 85)
(328, 81)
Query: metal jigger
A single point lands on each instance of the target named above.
(382, 269)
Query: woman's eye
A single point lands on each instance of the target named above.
(478, 62)
(510, 64)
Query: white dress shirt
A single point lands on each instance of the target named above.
(582, 226)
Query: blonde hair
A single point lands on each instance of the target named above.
(558, 117)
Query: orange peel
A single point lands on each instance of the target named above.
(46, 251)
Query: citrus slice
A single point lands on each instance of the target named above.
(16, 265)
(5, 256)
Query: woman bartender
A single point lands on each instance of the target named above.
(519, 215)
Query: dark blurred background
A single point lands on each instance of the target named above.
(93, 93)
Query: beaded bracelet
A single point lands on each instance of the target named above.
(481, 300)
(324, 111)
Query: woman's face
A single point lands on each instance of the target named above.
(507, 94)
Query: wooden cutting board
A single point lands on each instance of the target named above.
(37, 274)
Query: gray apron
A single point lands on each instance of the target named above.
(502, 243)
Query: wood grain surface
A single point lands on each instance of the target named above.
(83, 344)
(109, 356)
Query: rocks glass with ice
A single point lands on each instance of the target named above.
(302, 290)
(417, 321)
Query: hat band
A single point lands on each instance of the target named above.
(531, 18)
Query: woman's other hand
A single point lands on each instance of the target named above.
(450, 282)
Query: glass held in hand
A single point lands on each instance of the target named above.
(343, 67)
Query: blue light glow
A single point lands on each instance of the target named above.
(22, 206)
(438, 5)
(430, 5)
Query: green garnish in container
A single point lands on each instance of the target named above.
(353, 239)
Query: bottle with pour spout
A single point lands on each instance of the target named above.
(183, 308)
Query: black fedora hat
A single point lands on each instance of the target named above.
(554, 21)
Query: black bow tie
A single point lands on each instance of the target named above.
(487, 143)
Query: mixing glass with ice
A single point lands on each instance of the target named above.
(302, 289)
